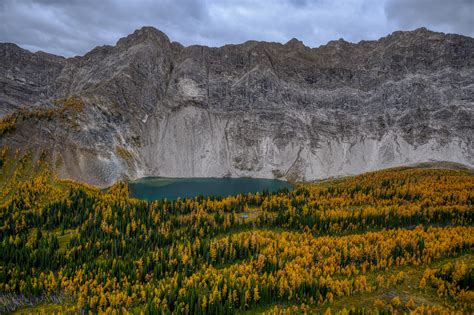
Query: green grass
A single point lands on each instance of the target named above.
(409, 288)
(65, 238)
(47, 308)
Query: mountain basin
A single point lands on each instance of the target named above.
(158, 188)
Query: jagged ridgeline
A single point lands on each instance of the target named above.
(155, 108)
(394, 240)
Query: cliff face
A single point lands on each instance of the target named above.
(155, 108)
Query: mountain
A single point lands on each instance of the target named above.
(151, 107)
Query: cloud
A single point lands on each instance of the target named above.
(72, 27)
(450, 16)
(76, 26)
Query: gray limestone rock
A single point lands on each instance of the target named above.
(156, 108)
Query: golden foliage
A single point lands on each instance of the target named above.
(308, 247)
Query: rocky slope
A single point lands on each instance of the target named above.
(155, 108)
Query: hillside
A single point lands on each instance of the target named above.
(152, 107)
(394, 240)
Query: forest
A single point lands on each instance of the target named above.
(393, 241)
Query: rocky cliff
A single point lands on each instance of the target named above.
(151, 107)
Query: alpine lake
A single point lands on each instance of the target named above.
(159, 188)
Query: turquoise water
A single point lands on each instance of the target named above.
(153, 188)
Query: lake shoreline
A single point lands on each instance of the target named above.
(160, 188)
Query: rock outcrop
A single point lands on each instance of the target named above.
(155, 108)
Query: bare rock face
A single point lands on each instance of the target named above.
(26, 78)
(156, 108)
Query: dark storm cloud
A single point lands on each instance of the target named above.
(71, 27)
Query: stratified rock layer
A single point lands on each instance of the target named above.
(156, 108)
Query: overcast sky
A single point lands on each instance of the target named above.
(73, 27)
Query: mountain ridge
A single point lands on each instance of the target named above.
(159, 33)
(155, 107)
